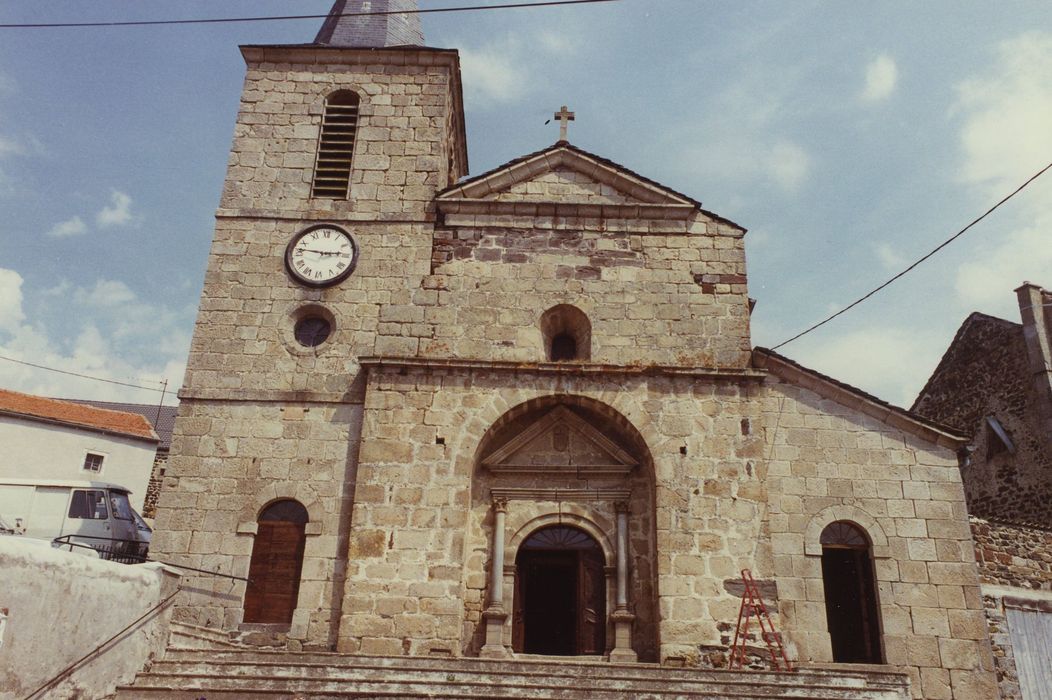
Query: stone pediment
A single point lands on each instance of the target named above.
(560, 178)
(560, 442)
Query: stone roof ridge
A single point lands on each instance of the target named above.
(856, 398)
(372, 24)
(16, 403)
(563, 154)
(974, 318)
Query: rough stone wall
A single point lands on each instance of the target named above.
(230, 460)
(400, 150)
(1014, 561)
(421, 539)
(985, 373)
(153, 489)
(639, 282)
(829, 462)
(1013, 555)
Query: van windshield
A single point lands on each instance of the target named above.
(122, 510)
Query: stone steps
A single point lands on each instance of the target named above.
(186, 636)
(229, 674)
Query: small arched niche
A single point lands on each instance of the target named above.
(277, 563)
(852, 610)
(567, 334)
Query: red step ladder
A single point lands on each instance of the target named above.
(753, 606)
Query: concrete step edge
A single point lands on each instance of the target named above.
(892, 676)
(190, 681)
(159, 668)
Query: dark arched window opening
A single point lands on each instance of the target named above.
(560, 594)
(564, 347)
(277, 562)
(852, 611)
(567, 334)
(332, 170)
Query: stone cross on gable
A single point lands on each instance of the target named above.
(563, 116)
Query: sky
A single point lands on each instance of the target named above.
(848, 138)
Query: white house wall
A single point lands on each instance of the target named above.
(35, 450)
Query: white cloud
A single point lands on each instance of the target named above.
(1005, 137)
(889, 362)
(881, 77)
(789, 164)
(70, 227)
(105, 293)
(1007, 113)
(506, 68)
(9, 147)
(890, 257)
(11, 314)
(114, 337)
(118, 213)
(491, 75)
(987, 282)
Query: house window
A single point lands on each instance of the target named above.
(93, 462)
(332, 171)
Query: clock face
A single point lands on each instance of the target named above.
(321, 256)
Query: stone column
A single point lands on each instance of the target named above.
(494, 614)
(622, 617)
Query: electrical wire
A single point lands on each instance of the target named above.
(85, 376)
(283, 18)
(935, 250)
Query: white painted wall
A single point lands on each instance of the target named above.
(36, 450)
(61, 606)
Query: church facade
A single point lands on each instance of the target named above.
(520, 413)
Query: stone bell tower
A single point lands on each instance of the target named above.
(323, 235)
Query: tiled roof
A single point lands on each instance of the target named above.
(348, 25)
(27, 405)
(162, 418)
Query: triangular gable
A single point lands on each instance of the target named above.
(560, 442)
(565, 179)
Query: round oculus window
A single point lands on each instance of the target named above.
(312, 331)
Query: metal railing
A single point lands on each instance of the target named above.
(127, 552)
(109, 548)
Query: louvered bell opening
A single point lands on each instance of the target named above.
(332, 173)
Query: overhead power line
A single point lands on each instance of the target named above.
(284, 18)
(935, 250)
(88, 376)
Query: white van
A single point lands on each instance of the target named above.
(94, 513)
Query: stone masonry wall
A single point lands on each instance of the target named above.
(828, 461)
(640, 284)
(401, 153)
(229, 461)
(417, 560)
(1014, 562)
(985, 373)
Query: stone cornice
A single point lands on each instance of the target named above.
(458, 205)
(428, 364)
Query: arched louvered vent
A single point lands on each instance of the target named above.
(332, 172)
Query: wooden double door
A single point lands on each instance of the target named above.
(560, 602)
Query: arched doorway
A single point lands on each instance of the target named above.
(560, 594)
(851, 596)
(277, 561)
